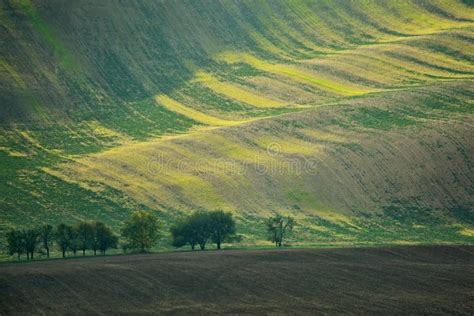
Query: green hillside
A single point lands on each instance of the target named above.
(353, 116)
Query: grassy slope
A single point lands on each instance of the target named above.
(325, 166)
(89, 90)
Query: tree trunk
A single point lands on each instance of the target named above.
(279, 244)
(19, 256)
(27, 255)
(74, 252)
(64, 253)
(218, 245)
(203, 246)
(32, 255)
(83, 252)
(95, 252)
(47, 252)
(193, 246)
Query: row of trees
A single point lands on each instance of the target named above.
(200, 228)
(219, 227)
(83, 236)
(140, 232)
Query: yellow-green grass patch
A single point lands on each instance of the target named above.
(285, 89)
(467, 232)
(289, 145)
(200, 117)
(295, 73)
(325, 136)
(236, 92)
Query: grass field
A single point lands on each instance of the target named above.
(356, 117)
(395, 280)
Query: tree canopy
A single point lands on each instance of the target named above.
(222, 227)
(85, 235)
(140, 231)
(15, 242)
(105, 238)
(31, 240)
(201, 227)
(46, 236)
(63, 237)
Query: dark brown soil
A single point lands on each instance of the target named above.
(400, 280)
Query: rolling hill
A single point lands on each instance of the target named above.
(394, 280)
(353, 116)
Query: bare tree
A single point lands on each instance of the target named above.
(278, 226)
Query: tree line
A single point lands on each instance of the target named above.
(140, 232)
(95, 236)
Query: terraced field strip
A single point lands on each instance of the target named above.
(177, 107)
(237, 93)
(293, 73)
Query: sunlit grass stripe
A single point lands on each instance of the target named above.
(396, 14)
(390, 63)
(293, 73)
(200, 117)
(455, 10)
(234, 92)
